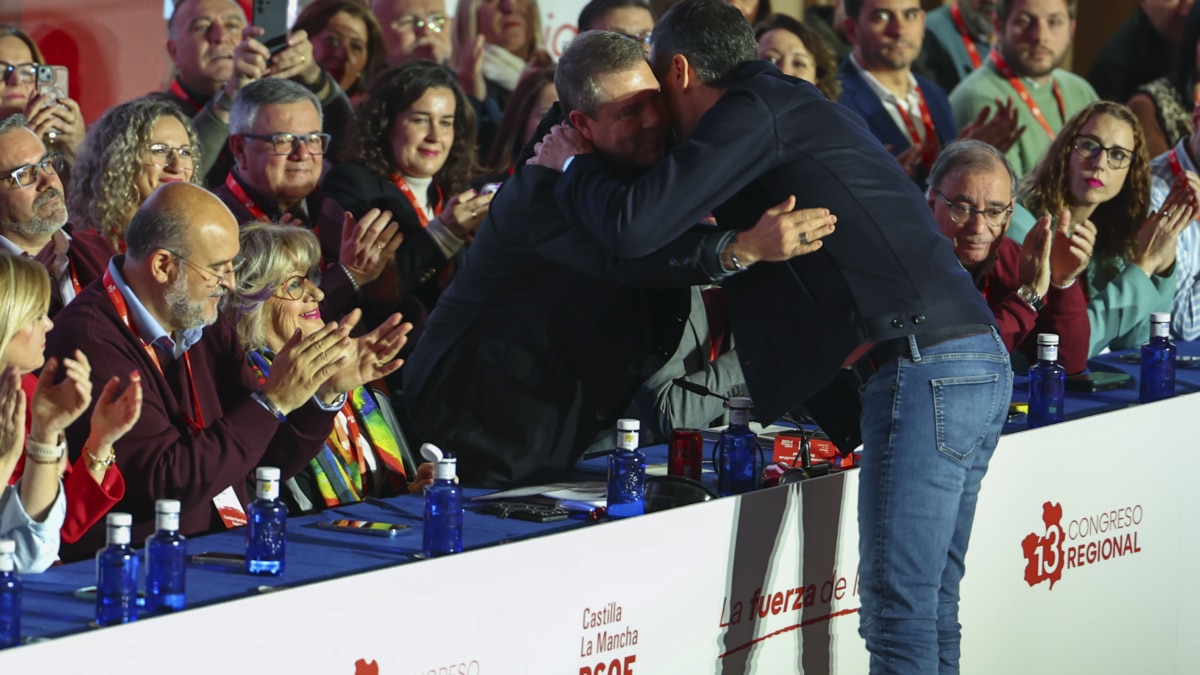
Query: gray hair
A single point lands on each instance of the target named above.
(13, 121)
(968, 156)
(271, 252)
(156, 226)
(588, 57)
(267, 91)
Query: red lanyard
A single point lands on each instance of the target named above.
(967, 40)
(929, 144)
(1016, 83)
(74, 276)
(118, 301)
(412, 198)
(239, 193)
(1173, 161)
(177, 89)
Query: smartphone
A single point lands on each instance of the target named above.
(370, 527)
(275, 17)
(1101, 381)
(490, 188)
(53, 81)
(219, 558)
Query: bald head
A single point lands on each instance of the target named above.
(173, 216)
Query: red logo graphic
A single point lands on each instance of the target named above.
(361, 667)
(1044, 554)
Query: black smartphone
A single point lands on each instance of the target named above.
(275, 17)
(1091, 383)
(219, 558)
(370, 527)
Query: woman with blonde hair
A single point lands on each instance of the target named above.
(278, 294)
(34, 413)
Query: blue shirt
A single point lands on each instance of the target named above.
(147, 327)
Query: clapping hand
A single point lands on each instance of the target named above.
(56, 406)
(369, 245)
(370, 357)
(12, 423)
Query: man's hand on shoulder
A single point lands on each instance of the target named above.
(562, 143)
(782, 233)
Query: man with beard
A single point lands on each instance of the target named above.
(958, 39)
(1030, 287)
(1035, 36)
(206, 421)
(33, 213)
(1143, 49)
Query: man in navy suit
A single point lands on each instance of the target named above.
(885, 295)
(909, 114)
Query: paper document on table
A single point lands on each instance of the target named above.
(591, 492)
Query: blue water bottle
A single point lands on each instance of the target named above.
(10, 595)
(1047, 384)
(627, 473)
(1158, 361)
(737, 449)
(117, 574)
(166, 560)
(443, 505)
(266, 527)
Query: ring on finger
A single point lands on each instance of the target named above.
(804, 238)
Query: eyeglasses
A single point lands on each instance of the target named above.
(287, 144)
(1089, 148)
(643, 38)
(214, 278)
(164, 155)
(434, 23)
(293, 288)
(961, 213)
(26, 72)
(27, 175)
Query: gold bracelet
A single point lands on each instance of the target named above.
(94, 463)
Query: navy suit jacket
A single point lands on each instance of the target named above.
(858, 96)
(886, 272)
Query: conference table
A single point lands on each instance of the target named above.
(1080, 561)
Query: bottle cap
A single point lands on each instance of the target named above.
(1047, 338)
(7, 546)
(432, 453)
(166, 506)
(118, 519)
(1160, 317)
(445, 469)
(740, 403)
(629, 425)
(267, 473)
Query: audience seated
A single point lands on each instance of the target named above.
(56, 120)
(1168, 172)
(1034, 38)
(1165, 105)
(279, 153)
(1031, 289)
(530, 101)
(276, 295)
(134, 148)
(1143, 49)
(631, 18)
(503, 37)
(33, 213)
(1098, 170)
(958, 39)
(411, 156)
(34, 413)
(415, 29)
(798, 51)
(347, 41)
(206, 421)
(216, 54)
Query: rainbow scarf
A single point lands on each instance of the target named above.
(359, 427)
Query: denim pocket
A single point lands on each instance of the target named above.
(957, 401)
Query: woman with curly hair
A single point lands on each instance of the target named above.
(799, 51)
(1097, 172)
(135, 147)
(347, 41)
(412, 152)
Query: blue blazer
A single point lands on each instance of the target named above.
(858, 96)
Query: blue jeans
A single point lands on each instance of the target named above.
(929, 423)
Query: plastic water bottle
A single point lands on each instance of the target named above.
(1158, 361)
(736, 451)
(117, 574)
(166, 560)
(266, 527)
(10, 595)
(443, 505)
(1047, 384)
(627, 473)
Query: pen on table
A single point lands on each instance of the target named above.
(387, 506)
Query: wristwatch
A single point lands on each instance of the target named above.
(1031, 297)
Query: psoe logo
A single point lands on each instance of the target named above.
(1080, 541)
(1044, 553)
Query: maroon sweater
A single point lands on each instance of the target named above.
(160, 457)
